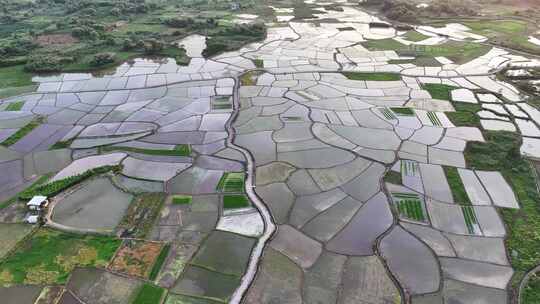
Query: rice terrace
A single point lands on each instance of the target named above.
(269, 151)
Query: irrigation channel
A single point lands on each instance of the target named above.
(269, 226)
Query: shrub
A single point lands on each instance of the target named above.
(43, 64)
(153, 46)
(101, 59)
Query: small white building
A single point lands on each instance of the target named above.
(32, 218)
(37, 202)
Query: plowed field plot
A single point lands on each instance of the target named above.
(136, 258)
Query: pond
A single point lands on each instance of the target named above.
(194, 45)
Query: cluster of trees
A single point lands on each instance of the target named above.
(45, 63)
(407, 11)
(229, 38)
(18, 45)
(188, 22)
(101, 59)
(149, 46)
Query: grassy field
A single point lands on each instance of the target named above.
(49, 256)
(501, 153)
(415, 36)
(149, 294)
(14, 76)
(15, 81)
(509, 33)
(459, 52)
(465, 115)
(393, 178)
(531, 292)
(492, 28)
(15, 106)
(438, 91)
(182, 199)
(372, 76)
(231, 182)
(235, 201)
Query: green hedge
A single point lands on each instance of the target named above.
(53, 188)
(159, 261)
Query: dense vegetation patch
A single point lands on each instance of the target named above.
(439, 91)
(415, 36)
(182, 199)
(531, 292)
(501, 152)
(149, 294)
(231, 182)
(465, 115)
(372, 76)
(235, 201)
(230, 38)
(48, 256)
(393, 177)
(54, 188)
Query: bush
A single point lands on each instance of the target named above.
(43, 64)
(153, 46)
(101, 59)
(84, 32)
(179, 22)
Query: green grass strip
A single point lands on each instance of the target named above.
(456, 185)
(381, 76)
(415, 36)
(434, 118)
(235, 201)
(149, 294)
(22, 132)
(231, 182)
(404, 195)
(470, 218)
(259, 63)
(182, 199)
(42, 179)
(15, 106)
(179, 150)
(393, 178)
(387, 113)
(403, 111)
(409, 167)
(159, 262)
(439, 91)
(53, 188)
